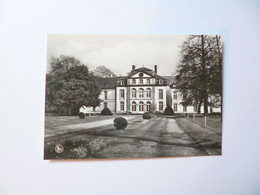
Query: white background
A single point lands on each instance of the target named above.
(23, 29)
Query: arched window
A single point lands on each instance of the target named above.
(148, 93)
(141, 93)
(141, 106)
(148, 107)
(134, 93)
(133, 106)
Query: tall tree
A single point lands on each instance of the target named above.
(104, 72)
(198, 75)
(70, 85)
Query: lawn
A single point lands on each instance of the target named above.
(56, 121)
(213, 122)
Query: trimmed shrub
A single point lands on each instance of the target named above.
(120, 123)
(81, 115)
(168, 111)
(146, 115)
(106, 111)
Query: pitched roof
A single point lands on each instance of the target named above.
(107, 83)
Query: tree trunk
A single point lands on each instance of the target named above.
(199, 107)
(204, 77)
(220, 72)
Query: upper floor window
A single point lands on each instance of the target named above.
(122, 93)
(148, 81)
(175, 95)
(148, 93)
(160, 94)
(160, 81)
(141, 93)
(122, 82)
(105, 95)
(195, 108)
(133, 81)
(141, 81)
(184, 108)
(134, 93)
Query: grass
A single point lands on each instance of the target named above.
(213, 122)
(56, 121)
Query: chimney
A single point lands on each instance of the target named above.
(155, 69)
(133, 67)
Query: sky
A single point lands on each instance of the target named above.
(119, 52)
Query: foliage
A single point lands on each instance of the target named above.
(81, 115)
(104, 72)
(76, 148)
(120, 123)
(199, 74)
(69, 84)
(146, 115)
(106, 111)
(168, 111)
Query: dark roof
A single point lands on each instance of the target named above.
(170, 78)
(107, 83)
(142, 69)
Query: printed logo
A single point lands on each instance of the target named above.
(59, 148)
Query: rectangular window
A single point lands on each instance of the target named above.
(194, 108)
(105, 95)
(122, 106)
(122, 93)
(175, 95)
(175, 107)
(141, 81)
(160, 94)
(148, 81)
(133, 81)
(184, 108)
(160, 106)
(105, 104)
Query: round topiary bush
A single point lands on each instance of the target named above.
(147, 116)
(120, 123)
(168, 111)
(106, 111)
(81, 115)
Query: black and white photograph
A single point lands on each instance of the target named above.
(133, 96)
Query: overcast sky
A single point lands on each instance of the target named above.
(119, 52)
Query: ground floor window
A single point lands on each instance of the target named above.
(134, 106)
(105, 104)
(141, 106)
(148, 107)
(122, 106)
(175, 107)
(160, 106)
(194, 108)
(184, 108)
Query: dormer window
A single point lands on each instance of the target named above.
(121, 82)
(160, 81)
(141, 74)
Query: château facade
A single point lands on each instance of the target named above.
(143, 90)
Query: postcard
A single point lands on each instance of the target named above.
(133, 96)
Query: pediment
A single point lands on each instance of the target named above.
(140, 75)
